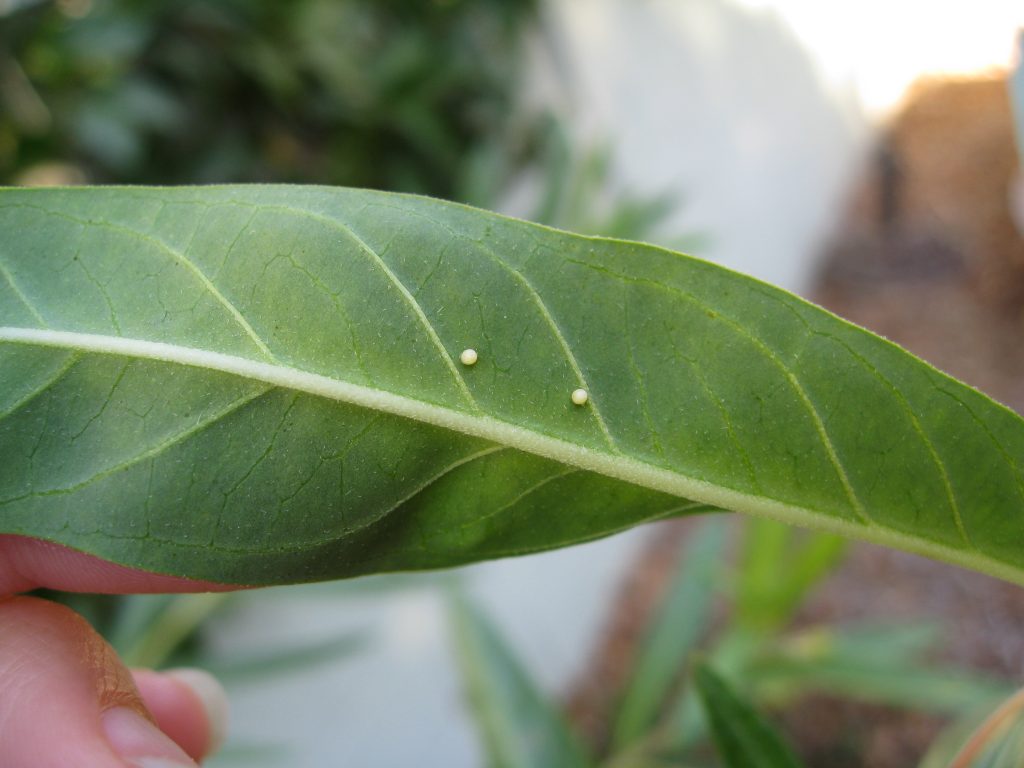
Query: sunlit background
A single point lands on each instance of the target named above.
(740, 131)
(877, 49)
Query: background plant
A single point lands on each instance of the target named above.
(697, 681)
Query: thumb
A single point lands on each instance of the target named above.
(67, 699)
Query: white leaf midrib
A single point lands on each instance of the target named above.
(474, 424)
(617, 466)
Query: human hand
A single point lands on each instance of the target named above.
(66, 699)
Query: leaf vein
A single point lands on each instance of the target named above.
(995, 441)
(562, 342)
(546, 316)
(566, 471)
(855, 503)
(21, 294)
(153, 452)
(511, 435)
(416, 307)
(69, 362)
(181, 258)
(925, 439)
(460, 462)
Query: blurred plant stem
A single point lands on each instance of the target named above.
(180, 618)
(992, 730)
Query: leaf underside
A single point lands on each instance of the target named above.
(260, 385)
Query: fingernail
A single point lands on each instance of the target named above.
(215, 702)
(140, 742)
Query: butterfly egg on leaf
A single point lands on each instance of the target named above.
(469, 356)
(579, 397)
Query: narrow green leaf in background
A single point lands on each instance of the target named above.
(743, 738)
(520, 729)
(884, 665)
(777, 568)
(179, 619)
(683, 617)
(257, 667)
(258, 385)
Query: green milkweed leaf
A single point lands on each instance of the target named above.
(262, 384)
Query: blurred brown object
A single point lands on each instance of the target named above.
(928, 253)
(938, 196)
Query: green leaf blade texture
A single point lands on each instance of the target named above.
(262, 384)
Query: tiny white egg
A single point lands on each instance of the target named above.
(468, 357)
(579, 396)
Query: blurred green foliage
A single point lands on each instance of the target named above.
(742, 737)
(402, 95)
(392, 94)
(749, 656)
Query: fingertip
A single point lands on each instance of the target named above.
(141, 743)
(212, 697)
(189, 705)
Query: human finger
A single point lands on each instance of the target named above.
(67, 699)
(31, 563)
(189, 705)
